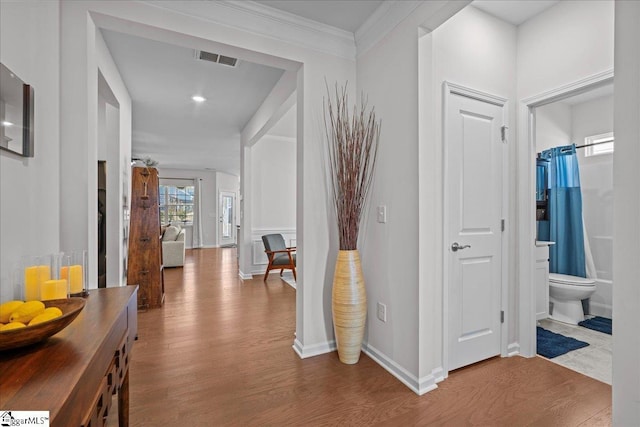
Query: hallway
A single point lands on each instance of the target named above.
(219, 353)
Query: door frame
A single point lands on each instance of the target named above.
(450, 89)
(526, 202)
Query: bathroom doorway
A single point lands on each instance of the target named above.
(583, 119)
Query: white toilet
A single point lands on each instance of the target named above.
(566, 294)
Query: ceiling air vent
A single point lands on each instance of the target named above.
(227, 60)
(207, 56)
(214, 57)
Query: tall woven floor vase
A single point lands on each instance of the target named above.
(349, 303)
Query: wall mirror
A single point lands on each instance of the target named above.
(16, 114)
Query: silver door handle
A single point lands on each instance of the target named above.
(456, 247)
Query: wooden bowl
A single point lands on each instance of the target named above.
(15, 338)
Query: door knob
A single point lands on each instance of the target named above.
(456, 247)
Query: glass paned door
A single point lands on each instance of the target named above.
(226, 219)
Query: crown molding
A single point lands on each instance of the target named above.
(284, 17)
(382, 21)
(264, 21)
(267, 22)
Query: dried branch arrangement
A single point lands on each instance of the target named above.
(353, 147)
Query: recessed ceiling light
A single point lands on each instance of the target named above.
(198, 98)
(6, 124)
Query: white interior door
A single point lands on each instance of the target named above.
(227, 228)
(474, 169)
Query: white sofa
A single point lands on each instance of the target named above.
(173, 246)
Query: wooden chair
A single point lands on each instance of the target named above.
(280, 256)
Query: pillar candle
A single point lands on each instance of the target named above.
(75, 278)
(34, 276)
(53, 289)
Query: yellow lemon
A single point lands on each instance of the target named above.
(55, 310)
(12, 325)
(27, 311)
(49, 313)
(7, 308)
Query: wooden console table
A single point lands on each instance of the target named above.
(74, 374)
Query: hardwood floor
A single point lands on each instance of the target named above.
(219, 353)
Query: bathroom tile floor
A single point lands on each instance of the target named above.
(594, 360)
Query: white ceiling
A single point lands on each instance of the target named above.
(161, 78)
(514, 11)
(171, 128)
(347, 15)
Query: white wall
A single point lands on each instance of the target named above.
(78, 161)
(596, 178)
(545, 54)
(276, 117)
(314, 331)
(29, 187)
(79, 122)
(399, 271)
(626, 231)
(563, 45)
(115, 254)
(553, 126)
(273, 183)
(209, 221)
(116, 147)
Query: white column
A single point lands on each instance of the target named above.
(626, 247)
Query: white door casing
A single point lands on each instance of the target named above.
(526, 204)
(474, 146)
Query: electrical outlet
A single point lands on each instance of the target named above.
(382, 214)
(382, 312)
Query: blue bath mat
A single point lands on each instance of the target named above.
(600, 324)
(552, 345)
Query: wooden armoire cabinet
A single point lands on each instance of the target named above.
(145, 246)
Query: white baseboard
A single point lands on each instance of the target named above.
(289, 281)
(202, 247)
(305, 351)
(419, 386)
(513, 349)
(260, 271)
(245, 276)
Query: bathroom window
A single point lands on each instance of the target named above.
(597, 145)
